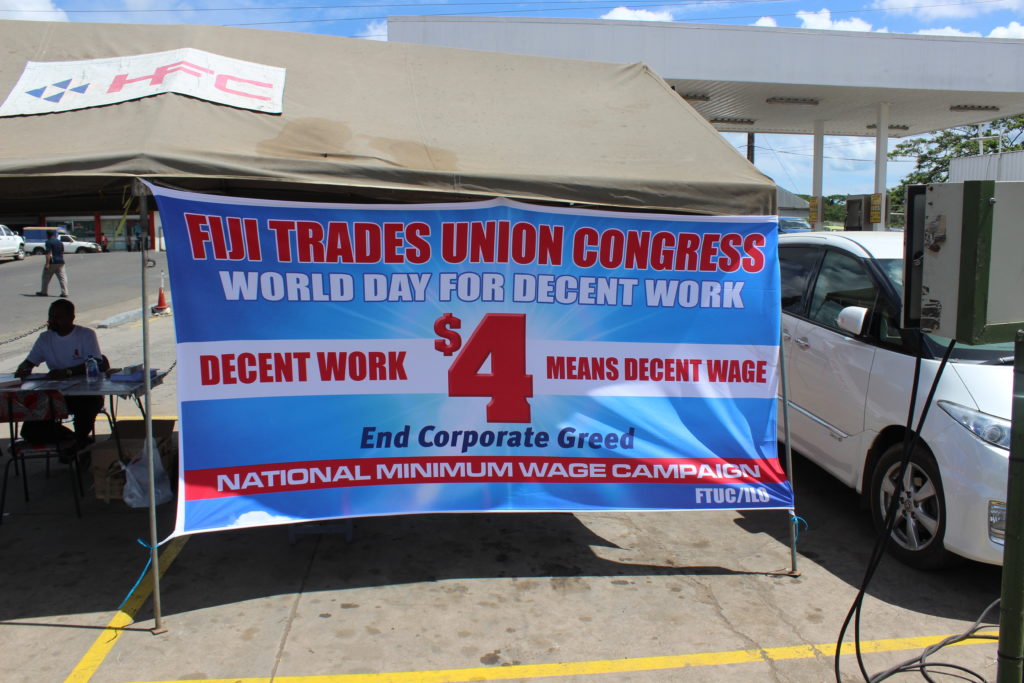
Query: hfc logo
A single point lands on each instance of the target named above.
(224, 82)
(55, 92)
(47, 87)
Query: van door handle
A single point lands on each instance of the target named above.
(802, 342)
(786, 336)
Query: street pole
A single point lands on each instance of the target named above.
(1011, 604)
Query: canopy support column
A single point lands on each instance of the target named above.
(881, 160)
(817, 215)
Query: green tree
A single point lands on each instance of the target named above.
(833, 207)
(932, 153)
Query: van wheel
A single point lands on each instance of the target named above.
(917, 537)
(38, 251)
(20, 255)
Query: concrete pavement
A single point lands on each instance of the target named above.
(531, 597)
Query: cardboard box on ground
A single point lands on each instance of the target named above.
(108, 475)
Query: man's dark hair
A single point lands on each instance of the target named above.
(62, 304)
(51, 233)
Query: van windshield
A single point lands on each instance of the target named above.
(1001, 353)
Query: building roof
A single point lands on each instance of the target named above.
(1001, 166)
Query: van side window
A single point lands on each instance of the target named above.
(843, 281)
(796, 265)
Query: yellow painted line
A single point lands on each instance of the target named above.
(605, 666)
(105, 642)
(128, 418)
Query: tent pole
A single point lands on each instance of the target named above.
(793, 520)
(154, 565)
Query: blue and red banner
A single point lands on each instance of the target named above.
(354, 360)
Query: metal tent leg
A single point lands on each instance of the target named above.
(793, 520)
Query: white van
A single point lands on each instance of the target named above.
(851, 368)
(35, 239)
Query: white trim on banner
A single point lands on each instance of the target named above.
(288, 367)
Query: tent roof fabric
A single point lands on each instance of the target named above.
(372, 121)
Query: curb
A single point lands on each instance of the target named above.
(121, 318)
(126, 317)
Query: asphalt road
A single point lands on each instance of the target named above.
(101, 285)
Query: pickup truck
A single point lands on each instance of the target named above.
(35, 239)
(11, 244)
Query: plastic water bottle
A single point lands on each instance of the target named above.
(92, 370)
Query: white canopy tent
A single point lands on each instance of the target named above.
(370, 121)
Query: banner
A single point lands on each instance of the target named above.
(354, 360)
(48, 87)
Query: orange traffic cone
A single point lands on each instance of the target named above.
(161, 302)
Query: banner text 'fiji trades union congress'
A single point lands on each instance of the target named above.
(354, 360)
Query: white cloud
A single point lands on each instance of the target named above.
(823, 20)
(946, 10)
(846, 153)
(184, 13)
(766, 21)
(37, 10)
(626, 14)
(848, 164)
(145, 4)
(948, 31)
(1014, 30)
(375, 30)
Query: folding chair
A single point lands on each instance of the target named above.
(43, 405)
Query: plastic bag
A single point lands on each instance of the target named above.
(136, 484)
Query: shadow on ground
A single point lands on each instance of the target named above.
(57, 564)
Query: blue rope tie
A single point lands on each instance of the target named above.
(796, 523)
(142, 575)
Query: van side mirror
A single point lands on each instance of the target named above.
(851, 319)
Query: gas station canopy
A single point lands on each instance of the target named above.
(777, 80)
(773, 80)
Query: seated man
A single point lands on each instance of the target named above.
(64, 347)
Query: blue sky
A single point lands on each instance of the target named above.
(849, 163)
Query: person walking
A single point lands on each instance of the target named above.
(54, 265)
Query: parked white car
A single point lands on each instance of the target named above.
(11, 244)
(851, 369)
